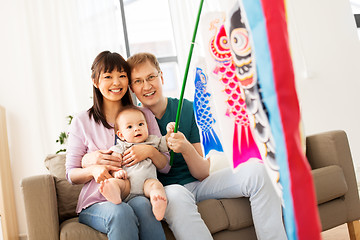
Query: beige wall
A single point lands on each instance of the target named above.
(326, 56)
(16, 96)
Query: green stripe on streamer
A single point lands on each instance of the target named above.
(185, 76)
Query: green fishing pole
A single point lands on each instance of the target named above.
(185, 76)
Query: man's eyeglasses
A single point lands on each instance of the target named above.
(149, 79)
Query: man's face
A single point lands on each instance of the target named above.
(146, 83)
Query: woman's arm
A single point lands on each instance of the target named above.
(98, 172)
(198, 166)
(102, 157)
(77, 147)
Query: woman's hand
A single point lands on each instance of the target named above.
(178, 142)
(102, 157)
(136, 154)
(101, 172)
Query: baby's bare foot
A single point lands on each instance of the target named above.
(110, 189)
(159, 204)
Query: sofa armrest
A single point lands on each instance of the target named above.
(41, 207)
(329, 148)
(332, 148)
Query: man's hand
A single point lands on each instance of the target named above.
(178, 142)
(102, 157)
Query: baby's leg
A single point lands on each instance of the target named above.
(114, 189)
(154, 190)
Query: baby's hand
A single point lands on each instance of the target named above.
(120, 174)
(170, 127)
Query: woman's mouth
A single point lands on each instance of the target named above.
(115, 90)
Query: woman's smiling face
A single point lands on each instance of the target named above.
(113, 85)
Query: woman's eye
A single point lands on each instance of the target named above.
(107, 77)
(123, 76)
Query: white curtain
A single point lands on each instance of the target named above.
(64, 38)
(183, 15)
(47, 48)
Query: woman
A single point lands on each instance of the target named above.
(91, 134)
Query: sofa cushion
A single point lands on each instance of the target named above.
(225, 214)
(238, 212)
(329, 183)
(67, 198)
(55, 163)
(66, 193)
(213, 213)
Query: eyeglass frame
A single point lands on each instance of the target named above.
(148, 79)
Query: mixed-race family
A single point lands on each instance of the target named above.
(120, 153)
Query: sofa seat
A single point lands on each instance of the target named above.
(228, 216)
(72, 229)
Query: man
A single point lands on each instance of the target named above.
(188, 180)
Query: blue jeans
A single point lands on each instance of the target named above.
(125, 221)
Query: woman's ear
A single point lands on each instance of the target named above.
(94, 83)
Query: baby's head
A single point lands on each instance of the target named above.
(130, 125)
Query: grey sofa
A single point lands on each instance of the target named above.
(50, 200)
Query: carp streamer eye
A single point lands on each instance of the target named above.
(240, 42)
(224, 43)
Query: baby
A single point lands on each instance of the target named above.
(131, 128)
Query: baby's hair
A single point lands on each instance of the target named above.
(126, 109)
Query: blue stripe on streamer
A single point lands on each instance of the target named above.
(256, 20)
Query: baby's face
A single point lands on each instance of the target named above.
(133, 127)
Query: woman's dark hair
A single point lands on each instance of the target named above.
(106, 62)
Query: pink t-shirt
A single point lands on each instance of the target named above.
(86, 136)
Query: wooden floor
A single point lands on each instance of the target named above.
(337, 233)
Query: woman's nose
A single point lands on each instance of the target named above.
(116, 81)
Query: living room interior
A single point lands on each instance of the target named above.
(48, 46)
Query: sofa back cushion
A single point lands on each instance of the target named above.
(66, 193)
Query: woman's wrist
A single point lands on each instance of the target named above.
(86, 161)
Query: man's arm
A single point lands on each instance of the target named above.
(198, 166)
